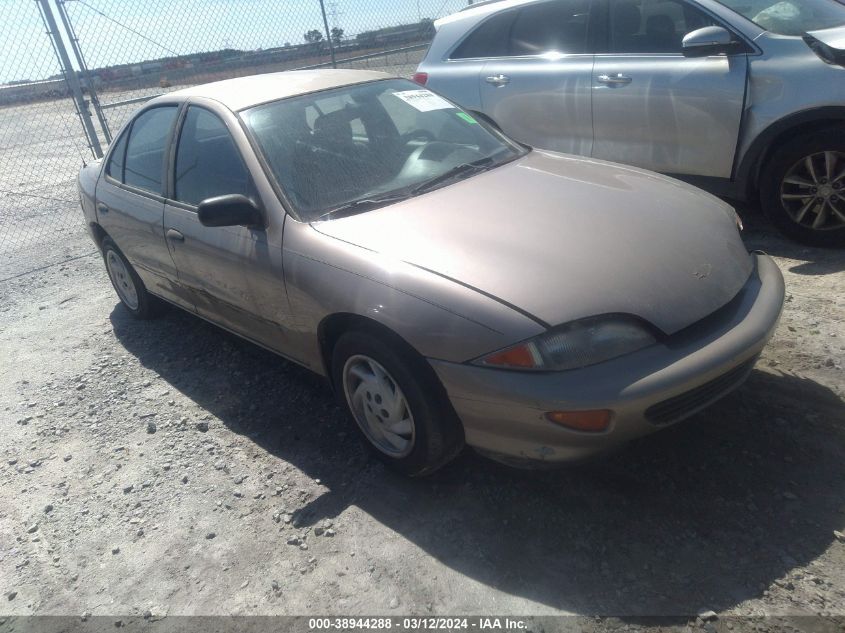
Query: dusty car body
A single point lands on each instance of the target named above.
(536, 307)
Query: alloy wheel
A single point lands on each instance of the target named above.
(813, 191)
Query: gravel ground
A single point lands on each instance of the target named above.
(167, 468)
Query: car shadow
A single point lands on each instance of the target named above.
(703, 514)
(760, 234)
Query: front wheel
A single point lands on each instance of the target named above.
(397, 403)
(803, 188)
(128, 285)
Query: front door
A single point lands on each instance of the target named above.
(233, 273)
(655, 108)
(538, 88)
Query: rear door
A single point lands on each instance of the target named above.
(655, 108)
(537, 88)
(130, 199)
(234, 273)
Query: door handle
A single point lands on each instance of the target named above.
(176, 236)
(614, 80)
(498, 80)
(101, 208)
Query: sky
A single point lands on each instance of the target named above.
(120, 31)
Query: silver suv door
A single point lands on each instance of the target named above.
(538, 88)
(655, 108)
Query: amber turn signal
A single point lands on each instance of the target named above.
(518, 356)
(594, 421)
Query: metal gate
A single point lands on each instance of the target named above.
(41, 145)
(72, 72)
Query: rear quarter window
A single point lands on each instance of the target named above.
(489, 39)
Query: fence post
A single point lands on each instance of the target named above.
(71, 79)
(83, 68)
(328, 33)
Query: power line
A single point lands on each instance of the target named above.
(128, 28)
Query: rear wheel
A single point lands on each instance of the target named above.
(397, 403)
(128, 285)
(803, 188)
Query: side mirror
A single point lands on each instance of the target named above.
(710, 40)
(229, 210)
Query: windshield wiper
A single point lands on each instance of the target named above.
(457, 170)
(350, 208)
(355, 206)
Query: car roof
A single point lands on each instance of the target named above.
(244, 92)
(481, 9)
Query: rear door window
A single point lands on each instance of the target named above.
(115, 164)
(144, 166)
(551, 27)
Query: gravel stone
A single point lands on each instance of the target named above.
(707, 615)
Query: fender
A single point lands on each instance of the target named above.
(748, 171)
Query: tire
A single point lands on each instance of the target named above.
(809, 172)
(128, 285)
(428, 431)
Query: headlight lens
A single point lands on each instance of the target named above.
(577, 344)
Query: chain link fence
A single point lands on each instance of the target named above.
(41, 145)
(125, 52)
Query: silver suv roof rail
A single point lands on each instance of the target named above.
(479, 4)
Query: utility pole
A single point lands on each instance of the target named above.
(328, 33)
(334, 13)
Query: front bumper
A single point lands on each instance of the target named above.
(502, 411)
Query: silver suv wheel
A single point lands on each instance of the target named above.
(813, 191)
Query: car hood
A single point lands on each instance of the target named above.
(833, 37)
(828, 44)
(562, 238)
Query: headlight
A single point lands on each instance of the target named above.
(577, 344)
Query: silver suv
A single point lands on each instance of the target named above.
(745, 98)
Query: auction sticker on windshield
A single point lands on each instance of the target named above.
(423, 100)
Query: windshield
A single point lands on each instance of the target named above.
(360, 145)
(790, 17)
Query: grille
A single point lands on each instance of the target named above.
(678, 407)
